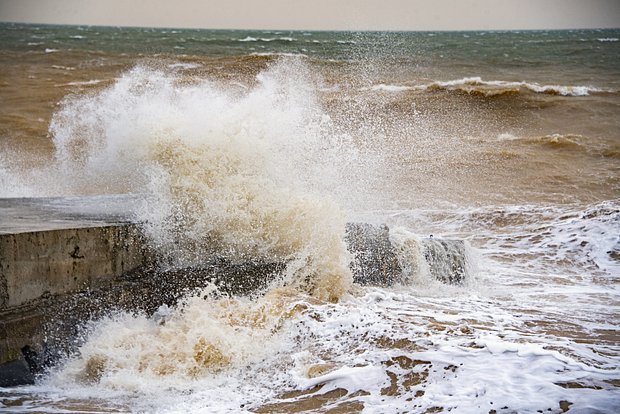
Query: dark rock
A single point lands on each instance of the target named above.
(374, 259)
(16, 372)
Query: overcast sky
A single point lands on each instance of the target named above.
(321, 14)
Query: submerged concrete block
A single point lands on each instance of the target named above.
(374, 258)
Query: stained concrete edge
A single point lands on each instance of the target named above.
(56, 246)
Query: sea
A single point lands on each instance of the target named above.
(262, 146)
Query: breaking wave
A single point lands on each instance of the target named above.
(478, 86)
(475, 85)
(227, 174)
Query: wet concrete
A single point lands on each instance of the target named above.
(64, 261)
(23, 215)
(53, 247)
(58, 245)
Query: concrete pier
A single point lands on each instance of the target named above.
(56, 246)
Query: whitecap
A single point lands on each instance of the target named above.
(390, 88)
(491, 87)
(182, 65)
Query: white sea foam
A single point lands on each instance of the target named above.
(184, 65)
(476, 84)
(390, 88)
(81, 83)
(607, 39)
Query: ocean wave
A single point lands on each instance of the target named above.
(278, 54)
(478, 86)
(227, 176)
(80, 83)
(607, 39)
(63, 67)
(552, 140)
(566, 142)
(182, 65)
(266, 39)
(390, 88)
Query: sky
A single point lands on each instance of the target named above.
(321, 14)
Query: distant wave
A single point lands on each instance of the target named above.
(390, 88)
(566, 142)
(276, 54)
(63, 67)
(181, 65)
(553, 140)
(608, 39)
(81, 83)
(477, 86)
(265, 39)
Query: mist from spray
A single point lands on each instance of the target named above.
(225, 172)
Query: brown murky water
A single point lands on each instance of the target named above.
(507, 141)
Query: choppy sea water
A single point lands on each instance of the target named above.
(262, 145)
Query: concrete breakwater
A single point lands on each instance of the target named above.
(64, 261)
(51, 247)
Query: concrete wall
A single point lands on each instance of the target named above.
(40, 264)
(59, 261)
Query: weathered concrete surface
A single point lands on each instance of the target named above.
(23, 215)
(59, 261)
(53, 246)
(42, 332)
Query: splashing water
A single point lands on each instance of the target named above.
(227, 174)
(259, 171)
